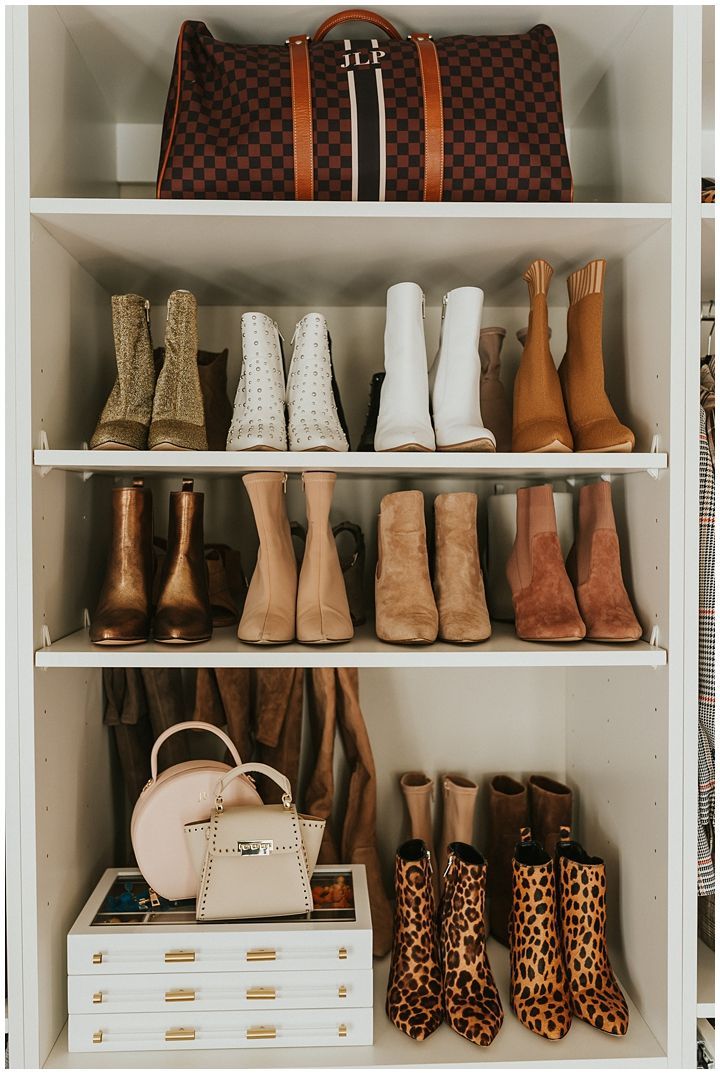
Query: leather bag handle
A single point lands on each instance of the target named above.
(190, 725)
(254, 766)
(356, 14)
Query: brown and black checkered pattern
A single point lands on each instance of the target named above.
(228, 130)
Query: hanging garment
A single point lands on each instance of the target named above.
(706, 670)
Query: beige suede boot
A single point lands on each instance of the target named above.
(418, 791)
(323, 614)
(125, 418)
(405, 611)
(269, 614)
(458, 582)
(459, 795)
(495, 405)
(178, 415)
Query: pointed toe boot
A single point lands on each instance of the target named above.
(551, 806)
(178, 415)
(269, 614)
(122, 615)
(316, 421)
(543, 597)
(494, 403)
(414, 994)
(125, 418)
(418, 792)
(539, 419)
(258, 420)
(458, 578)
(470, 996)
(538, 984)
(183, 615)
(403, 422)
(508, 813)
(594, 423)
(595, 568)
(459, 797)
(405, 610)
(323, 612)
(367, 439)
(595, 995)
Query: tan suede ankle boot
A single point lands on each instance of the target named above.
(323, 614)
(595, 569)
(269, 614)
(125, 418)
(178, 416)
(458, 582)
(459, 797)
(494, 403)
(543, 598)
(539, 419)
(594, 423)
(405, 611)
(418, 792)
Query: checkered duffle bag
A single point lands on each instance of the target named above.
(463, 118)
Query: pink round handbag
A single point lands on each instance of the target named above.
(183, 794)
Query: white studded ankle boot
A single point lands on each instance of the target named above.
(404, 420)
(258, 422)
(455, 375)
(315, 418)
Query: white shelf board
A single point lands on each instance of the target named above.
(503, 649)
(705, 981)
(226, 254)
(420, 464)
(514, 1044)
(708, 212)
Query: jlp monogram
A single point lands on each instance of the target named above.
(362, 59)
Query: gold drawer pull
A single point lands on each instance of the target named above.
(342, 952)
(179, 956)
(97, 958)
(261, 1033)
(97, 997)
(179, 1034)
(180, 995)
(260, 993)
(97, 1037)
(342, 1030)
(342, 992)
(261, 954)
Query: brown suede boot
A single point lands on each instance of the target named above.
(594, 423)
(405, 611)
(459, 796)
(543, 598)
(507, 815)
(595, 569)
(495, 406)
(550, 810)
(458, 582)
(539, 419)
(418, 792)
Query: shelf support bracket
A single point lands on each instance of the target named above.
(654, 450)
(44, 445)
(86, 619)
(45, 639)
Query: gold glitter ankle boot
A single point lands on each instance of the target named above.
(125, 417)
(178, 417)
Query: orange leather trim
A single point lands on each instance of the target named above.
(356, 14)
(171, 139)
(433, 110)
(302, 117)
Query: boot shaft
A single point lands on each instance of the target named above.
(414, 901)
(269, 613)
(460, 326)
(323, 614)
(459, 799)
(267, 495)
(535, 517)
(402, 535)
(418, 792)
(490, 345)
(185, 526)
(183, 608)
(131, 334)
(132, 527)
(551, 806)
(595, 512)
(404, 328)
(181, 332)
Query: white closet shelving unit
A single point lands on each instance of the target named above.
(87, 92)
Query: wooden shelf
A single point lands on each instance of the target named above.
(705, 981)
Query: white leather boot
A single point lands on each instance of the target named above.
(313, 401)
(258, 421)
(404, 420)
(455, 375)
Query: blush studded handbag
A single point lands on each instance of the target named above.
(463, 118)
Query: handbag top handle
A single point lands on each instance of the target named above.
(190, 725)
(356, 14)
(254, 766)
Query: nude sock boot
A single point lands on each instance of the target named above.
(543, 598)
(594, 423)
(458, 581)
(418, 792)
(594, 566)
(125, 418)
(269, 614)
(459, 796)
(323, 614)
(404, 417)
(494, 403)
(405, 611)
(178, 417)
(539, 419)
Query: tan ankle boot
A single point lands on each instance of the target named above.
(323, 614)
(458, 581)
(125, 418)
(543, 598)
(594, 423)
(459, 795)
(494, 403)
(178, 417)
(405, 611)
(269, 614)
(539, 419)
(595, 569)
(418, 792)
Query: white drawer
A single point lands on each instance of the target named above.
(152, 993)
(171, 1032)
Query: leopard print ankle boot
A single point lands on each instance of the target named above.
(595, 995)
(414, 996)
(472, 1001)
(538, 983)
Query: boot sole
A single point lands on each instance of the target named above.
(471, 445)
(406, 447)
(266, 641)
(627, 446)
(112, 445)
(325, 641)
(256, 447)
(182, 641)
(124, 641)
(554, 445)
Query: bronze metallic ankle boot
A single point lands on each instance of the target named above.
(495, 405)
(323, 613)
(458, 581)
(269, 614)
(122, 616)
(125, 418)
(405, 611)
(508, 813)
(183, 614)
(178, 416)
